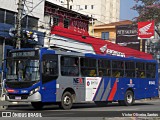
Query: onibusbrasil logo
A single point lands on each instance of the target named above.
(20, 114)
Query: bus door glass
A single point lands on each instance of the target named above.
(49, 76)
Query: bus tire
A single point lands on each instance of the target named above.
(129, 98)
(66, 101)
(101, 103)
(37, 105)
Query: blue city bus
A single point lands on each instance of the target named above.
(44, 76)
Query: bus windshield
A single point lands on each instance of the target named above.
(23, 70)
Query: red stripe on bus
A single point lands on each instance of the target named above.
(113, 92)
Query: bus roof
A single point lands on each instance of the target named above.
(47, 50)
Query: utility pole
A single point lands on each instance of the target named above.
(18, 23)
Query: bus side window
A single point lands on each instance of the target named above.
(88, 67)
(130, 69)
(69, 66)
(140, 70)
(117, 68)
(104, 67)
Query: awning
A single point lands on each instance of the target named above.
(100, 46)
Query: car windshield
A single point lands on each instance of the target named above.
(23, 70)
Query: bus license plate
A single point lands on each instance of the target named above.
(18, 97)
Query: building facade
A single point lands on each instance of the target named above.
(32, 17)
(105, 11)
(122, 33)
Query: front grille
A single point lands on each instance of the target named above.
(19, 85)
(13, 96)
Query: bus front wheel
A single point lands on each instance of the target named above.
(37, 105)
(67, 101)
(128, 100)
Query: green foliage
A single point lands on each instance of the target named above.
(148, 10)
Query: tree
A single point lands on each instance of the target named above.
(148, 10)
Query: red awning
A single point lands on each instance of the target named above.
(99, 44)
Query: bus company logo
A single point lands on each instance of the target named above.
(131, 83)
(78, 80)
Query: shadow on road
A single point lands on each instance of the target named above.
(75, 106)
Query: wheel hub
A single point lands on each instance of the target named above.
(129, 98)
(67, 100)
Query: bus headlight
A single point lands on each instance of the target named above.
(34, 90)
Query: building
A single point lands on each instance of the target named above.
(55, 15)
(105, 11)
(31, 19)
(108, 31)
(123, 33)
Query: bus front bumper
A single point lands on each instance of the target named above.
(32, 98)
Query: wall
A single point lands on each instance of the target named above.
(37, 12)
(105, 11)
(112, 33)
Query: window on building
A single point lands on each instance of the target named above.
(71, 7)
(10, 17)
(2, 15)
(105, 35)
(69, 66)
(24, 22)
(32, 23)
(78, 7)
(88, 67)
(92, 6)
(66, 23)
(55, 20)
(85, 6)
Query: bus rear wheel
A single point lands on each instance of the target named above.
(128, 100)
(67, 101)
(37, 105)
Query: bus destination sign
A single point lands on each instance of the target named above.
(24, 54)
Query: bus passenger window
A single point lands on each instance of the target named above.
(150, 70)
(69, 66)
(140, 70)
(88, 67)
(104, 67)
(130, 69)
(117, 68)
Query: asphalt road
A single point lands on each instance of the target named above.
(142, 108)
